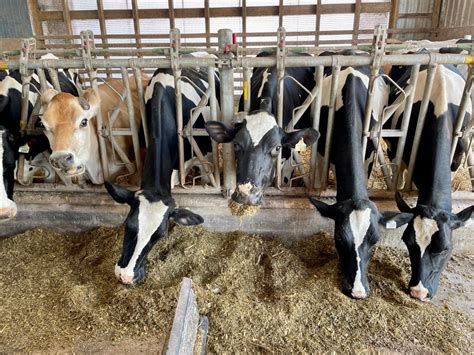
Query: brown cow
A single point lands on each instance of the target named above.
(72, 133)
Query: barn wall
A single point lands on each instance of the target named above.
(14, 19)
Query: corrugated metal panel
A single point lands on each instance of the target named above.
(457, 13)
(15, 19)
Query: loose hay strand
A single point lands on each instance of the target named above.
(260, 295)
(242, 210)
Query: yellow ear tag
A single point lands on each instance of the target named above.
(300, 146)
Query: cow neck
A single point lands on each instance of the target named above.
(347, 148)
(158, 167)
(433, 180)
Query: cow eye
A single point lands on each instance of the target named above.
(83, 123)
(40, 124)
(276, 150)
(237, 148)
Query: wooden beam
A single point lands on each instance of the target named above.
(244, 23)
(280, 14)
(220, 11)
(171, 14)
(67, 18)
(355, 28)
(436, 17)
(394, 11)
(103, 30)
(318, 23)
(207, 23)
(136, 22)
(36, 22)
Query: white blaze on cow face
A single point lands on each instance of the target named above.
(258, 125)
(424, 230)
(150, 217)
(360, 223)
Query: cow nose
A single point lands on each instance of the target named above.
(126, 279)
(422, 295)
(63, 161)
(359, 294)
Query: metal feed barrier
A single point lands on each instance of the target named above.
(228, 58)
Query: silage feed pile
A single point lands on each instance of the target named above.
(58, 290)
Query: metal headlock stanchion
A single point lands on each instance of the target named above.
(315, 178)
(141, 98)
(280, 66)
(175, 66)
(420, 124)
(336, 69)
(227, 105)
(226, 63)
(87, 41)
(133, 126)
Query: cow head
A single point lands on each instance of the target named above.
(257, 142)
(428, 238)
(8, 208)
(66, 120)
(146, 223)
(356, 231)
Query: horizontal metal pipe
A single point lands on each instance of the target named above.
(304, 61)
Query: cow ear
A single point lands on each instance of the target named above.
(401, 204)
(48, 95)
(309, 136)
(119, 194)
(90, 101)
(186, 217)
(220, 132)
(328, 211)
(393, 220)
(462, 219)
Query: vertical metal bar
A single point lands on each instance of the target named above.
(405, 122)
(211, 79)
(332, 110)
(227, 107)
(133, 124)
(280, 56)
(175, 48)
(247, 89)
(87, 41)
(420, 123)
(316, 116)
(53, 75)
(470, 163)
(465, 100)
(141, 98)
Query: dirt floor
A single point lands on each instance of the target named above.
(58, 293)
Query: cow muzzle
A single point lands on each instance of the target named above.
(421, 294)
(248, 194)
(67, 163)
(8, 209)
(127, 278)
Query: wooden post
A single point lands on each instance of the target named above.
(318, 23)
(244, 23)
(36, 22)
(355, 28)
(103, 31)
(207, 16)
(435, 17)
(186, 321)
(392, 22)
(171, 13)
(136, 24)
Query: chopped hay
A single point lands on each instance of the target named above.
(260, 295)
(242, 210)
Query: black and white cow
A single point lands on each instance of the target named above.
(258, 139)
(11, 140)
(152, 206)
(356, 217)
(428, 235)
